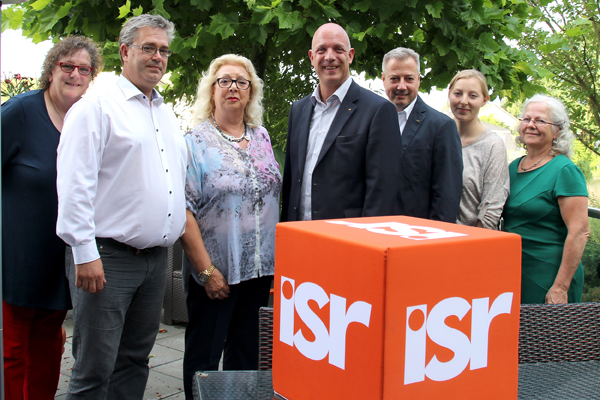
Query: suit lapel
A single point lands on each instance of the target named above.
(344, 112)
(305, 116)
(414, 122)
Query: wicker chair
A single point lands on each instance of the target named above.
(559, 333)
(265, 338)
(174, 302)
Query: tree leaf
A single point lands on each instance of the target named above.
(64, 10)
(221, 26)
(40, 4)
(574, 31)
(124, 10)
(435, 9)
(487, 41)
(138, 11)
(286, 20)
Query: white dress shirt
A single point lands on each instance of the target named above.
(322, 117)
(404, 114)
(121, 172)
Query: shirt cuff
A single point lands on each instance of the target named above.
(85, 253)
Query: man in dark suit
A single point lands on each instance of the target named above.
(431, 151)
(342, 158)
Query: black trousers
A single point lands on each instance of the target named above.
(229, 325)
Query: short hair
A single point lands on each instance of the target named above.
(471, 73)
(129, 30)
(560, 116)
(67, 46)
(205, 104)
(401, 53)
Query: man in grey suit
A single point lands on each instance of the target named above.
(342, 158)
(431, 151)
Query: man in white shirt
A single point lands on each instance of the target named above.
(341, 156)
(431, 152)
(121, 176)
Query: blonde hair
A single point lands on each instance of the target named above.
(471, 73)
(205, 104)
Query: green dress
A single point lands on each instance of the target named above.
(532, 211)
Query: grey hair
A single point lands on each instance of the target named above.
(205, 104)
(129, 31)
(560, 116)
(401, 53)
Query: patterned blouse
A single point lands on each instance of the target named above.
(234, 195)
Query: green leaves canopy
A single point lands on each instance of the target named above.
(565, 38)
(450, 35)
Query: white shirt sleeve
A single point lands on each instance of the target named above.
(78, 164)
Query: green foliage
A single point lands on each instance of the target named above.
(585, 159)
(566, 42)
(450, 35)
(590, 261)
(16, 84)
(490, 119)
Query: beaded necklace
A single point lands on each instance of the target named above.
(229, 137)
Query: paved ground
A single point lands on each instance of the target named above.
(166, 364)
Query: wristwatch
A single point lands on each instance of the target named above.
(204, 276)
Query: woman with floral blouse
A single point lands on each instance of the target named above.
(232, 193)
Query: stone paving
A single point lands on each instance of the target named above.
(166, 364)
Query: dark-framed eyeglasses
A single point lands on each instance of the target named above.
(70, 67)
(152, 50)
(225, 83)
(540, 123)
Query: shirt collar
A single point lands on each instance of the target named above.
(130, 90)
(340, 93)
(409, 108)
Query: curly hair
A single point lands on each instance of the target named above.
(205, 104)
(69, 46)
(560, 116)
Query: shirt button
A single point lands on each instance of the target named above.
(157, 130)
(170, 192)
(169, 215)
(167, 170)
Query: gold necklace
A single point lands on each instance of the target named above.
(534, 165)
(54, 108)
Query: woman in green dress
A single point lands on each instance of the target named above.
(547, 205)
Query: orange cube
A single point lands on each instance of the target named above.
(395, 307)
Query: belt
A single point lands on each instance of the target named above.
(126, 247)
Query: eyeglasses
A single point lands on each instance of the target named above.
(539, 123)
(70, 67)
(152, 50)
(225, 83)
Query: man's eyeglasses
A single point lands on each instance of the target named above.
(225, 83)
(70, 67)
(540, 123)
(152, 50)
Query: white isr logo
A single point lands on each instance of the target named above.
(332, 341)
(406, 231)
(474, 350)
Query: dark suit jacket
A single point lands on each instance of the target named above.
(431, 159)
(357, 170)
